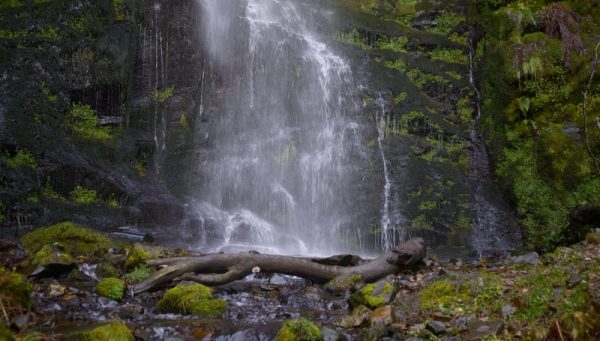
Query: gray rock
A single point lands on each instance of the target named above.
(437, 327)
(277, 279)
(329, 334)
(508, 310)
(481, 330)
(532, 258)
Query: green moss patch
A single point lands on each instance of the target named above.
(373, 295)
(14, 289)
(115, 331)
(137, 255)
(344, 283)
(112, 288)
(76, 240)
(299, 330)
(191, 299)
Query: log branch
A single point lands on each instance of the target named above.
(217, 269)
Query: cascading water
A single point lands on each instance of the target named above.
(285, 148)
(387, 236)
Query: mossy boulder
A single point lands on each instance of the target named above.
(115, 331)
(5, 333)
(112, 288)
(373, 295)
(74, 239)
(344, 283)
(14, 289)
(445, 294)
(49, 254)
(191, 299)
(299, 330)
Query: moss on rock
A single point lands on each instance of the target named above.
(373, 295)
(112, 288)
(299, 330)
(444, 294)
(344, 283)
(49, 255)
(15, 289)
(76, 240)
(5, 333)
(115, 331)
(137, 255)
(192, 299)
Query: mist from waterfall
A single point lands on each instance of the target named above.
(285, 146)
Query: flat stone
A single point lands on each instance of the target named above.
(437, 327)
(329, 334)
(382, 315)
(532, 258)
(481, 330)
(358, 317)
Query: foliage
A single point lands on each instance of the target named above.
(137, 256)
(454, 56)
(10, 4)
(532, 106)
(352, 38)
(23, 158)
(183, 121)
(76, 240)
(48, 32)
(83, 196)
(299, 330)
(112, 288)
(139, 274)
(161, 96)
(444, 295)
(446, 22)
(194, 299)
(397, 64)
(396, 44)
(84, 122)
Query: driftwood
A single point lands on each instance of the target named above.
(218, 269)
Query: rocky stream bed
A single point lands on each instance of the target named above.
(53, 286)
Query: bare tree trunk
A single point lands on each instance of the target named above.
(217, 269)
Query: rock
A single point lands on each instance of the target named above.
(55, 290)
(314, 294)
(373, 295)
(191, 299)
(358, 317)
(381, 315)
(115, 331)
(299, 330)
(481, 330)
(508, 310)
(277, 279)
(532, 258)
(104, 270)
(21, 321)
(328, 334)
(437, 327)
(74, 240)
(451, 338)
(16, 287)
(113, 288)
(344, 283)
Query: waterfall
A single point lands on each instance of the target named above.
(387, 236)
(285, 149)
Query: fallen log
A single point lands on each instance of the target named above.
(222, 268)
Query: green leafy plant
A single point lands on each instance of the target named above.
(83, 195)
(23, 158)
(161, 96)
(84, 122)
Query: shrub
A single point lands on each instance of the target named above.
(84, 122)
(83, 196)
(23, 158)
